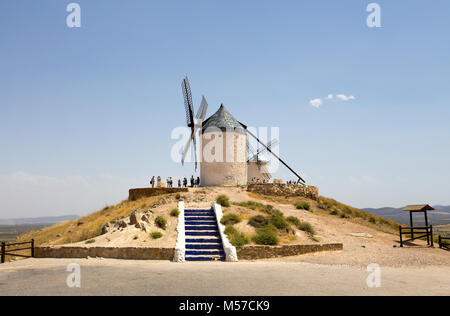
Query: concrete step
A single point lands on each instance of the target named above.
(199, 218)
(204, 246)
(205, 258)
(201, 233)
(204, 241)
(202, 227)
(205, 253)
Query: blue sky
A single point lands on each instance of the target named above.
(86, 113)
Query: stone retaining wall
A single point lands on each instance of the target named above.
(130, 253)
(135, 194)
(265, 252)
(277, 189)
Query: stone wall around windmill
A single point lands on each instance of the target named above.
(135, 194)
(276, 189)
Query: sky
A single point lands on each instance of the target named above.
(87, 113)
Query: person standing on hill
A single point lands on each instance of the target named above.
(179, 183)
(197, 182)
(152, 182)
(192, 181)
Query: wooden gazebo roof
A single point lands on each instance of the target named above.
(418, 208)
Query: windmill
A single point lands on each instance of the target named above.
(193, 124)
(254, 154)
(219, 173)
(267, 148)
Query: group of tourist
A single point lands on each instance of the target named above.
(193, 182)
(257, 180)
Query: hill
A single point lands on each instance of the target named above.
(37, 220)
(440, 216)
(366, 237)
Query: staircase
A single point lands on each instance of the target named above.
(203, 242)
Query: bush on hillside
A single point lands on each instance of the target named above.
(235, 237)
(293, 220)
(161, 222)
(258, 221)
(279, 221)
(303, 206)
(223, 200)
(307, 228)
(230, 219)
(174, 212)
(156, 235)
(303, 226)
(266, 236)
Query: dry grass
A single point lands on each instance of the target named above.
(336, 208)
(329, 207)
(87, 227)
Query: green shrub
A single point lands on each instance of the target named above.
(334, 212)
(279, 221)
(135, 238)
(294, 220)
(230, 219)
(156, 235)
(90, 241)
(239, 239)
(303, 226)
(230, 230)
(266, 236)
(178, 196)
(161, 222)
(303, 206)
(372, 220)
(174, 212)
(223, 200)
(236, 238)
(307, 228)
(258, 221)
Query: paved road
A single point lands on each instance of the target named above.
(117, 277)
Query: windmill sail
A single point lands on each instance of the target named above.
(193, 124)
(188, 102)
(202, 110)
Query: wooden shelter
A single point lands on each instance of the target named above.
(427, 230)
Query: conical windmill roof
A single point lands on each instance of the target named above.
(223, 120)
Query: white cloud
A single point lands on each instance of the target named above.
(344, 97)
(316, 102)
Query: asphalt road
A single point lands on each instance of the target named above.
(118, 277)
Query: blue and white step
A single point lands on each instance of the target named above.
(203, 242)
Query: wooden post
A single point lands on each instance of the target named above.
(432, 241)
(412, 225)
(3, 255)
(32, 248)
(426, 225)
(401, 237)
(440, 242)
